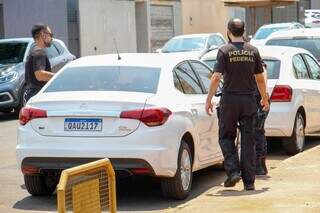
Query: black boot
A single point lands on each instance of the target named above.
(232, 180)
(259, 167)
(264, 165)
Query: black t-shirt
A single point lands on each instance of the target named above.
(37, 60)
(238, 62)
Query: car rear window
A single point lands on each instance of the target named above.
(273, 67)
(310, 44)
(109, 78)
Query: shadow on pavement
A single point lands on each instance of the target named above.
(234, 193)
(144, 194)
(47, 203)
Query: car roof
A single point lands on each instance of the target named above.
(266, 52)
(305, 32)
(159, 60)
(194, 35)
(287, 24)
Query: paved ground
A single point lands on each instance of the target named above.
(293, 186)
(141, 195)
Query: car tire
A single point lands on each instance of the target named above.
(295, 143)
(179, 186)
(37, 186)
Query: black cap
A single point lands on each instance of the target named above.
(236, 27)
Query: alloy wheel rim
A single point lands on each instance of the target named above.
(185, 170)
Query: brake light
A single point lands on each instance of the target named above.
(281, 93)
(27, 114)
(149, 116)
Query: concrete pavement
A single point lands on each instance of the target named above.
(294, 186)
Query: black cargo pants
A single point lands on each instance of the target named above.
(261, 140)
(240, 109)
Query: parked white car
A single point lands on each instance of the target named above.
(148, 117)
(294, 86)
(262, 34)
(308, 39)
(312, 18)
(193, 43)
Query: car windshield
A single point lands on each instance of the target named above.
(109, 78)
(184, 44)
(263, 33)
(273, 67)
(12, 52)
(310, 44)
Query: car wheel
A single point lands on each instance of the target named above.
(295, 143)
(179, 186)
(37, 186)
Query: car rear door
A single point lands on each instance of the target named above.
(211, 135)
(314, 69)
(303, 86)
(188, 83)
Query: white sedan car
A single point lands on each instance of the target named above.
(145, 112)
(294, 86)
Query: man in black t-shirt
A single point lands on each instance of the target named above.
(241, 67)
(38, 68)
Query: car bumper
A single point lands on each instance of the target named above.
(9, 95)
(280, 120)
(159, 151)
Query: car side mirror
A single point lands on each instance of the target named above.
(158, 50)
(250, 37)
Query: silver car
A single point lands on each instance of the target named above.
(13, 55)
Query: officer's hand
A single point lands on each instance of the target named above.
(209, 108)
(265, 104)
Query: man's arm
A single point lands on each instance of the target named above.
(262, 86)
(215, 80)
(42, 75)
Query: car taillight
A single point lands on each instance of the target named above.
(27, 114)
(281, 93)
(149, 116)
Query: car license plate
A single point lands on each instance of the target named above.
(82, 124)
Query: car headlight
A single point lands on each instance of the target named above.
(8, 75)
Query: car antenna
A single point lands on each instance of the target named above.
(115, 44)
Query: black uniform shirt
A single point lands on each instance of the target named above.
(37, 60)
(238, 62)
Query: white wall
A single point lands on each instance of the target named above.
(100, 21)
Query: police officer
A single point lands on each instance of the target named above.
(261, 141)
(38, 67)
(241, 67)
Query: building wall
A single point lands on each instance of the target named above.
(155, 24)
(103, 21)
(315, 4)
(203, 16)
(20, 15)
(143, 26)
